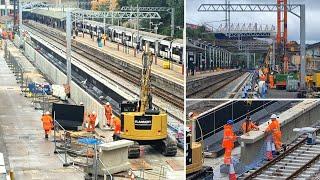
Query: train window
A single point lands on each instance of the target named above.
(176, 51)
(162, 47)
(128, 38)
(152, 44)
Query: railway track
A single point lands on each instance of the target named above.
(125, 74)
(219, 83)
(299, 161)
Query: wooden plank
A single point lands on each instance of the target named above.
(175, 165)
(140, 164)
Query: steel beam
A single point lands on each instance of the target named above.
(116, 14)
(302, 48)
(68, 39)
(246, 7)
(154, 9)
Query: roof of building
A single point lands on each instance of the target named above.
(315, 45)
(60, 15)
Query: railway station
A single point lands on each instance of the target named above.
(92, 90)
(268, 47)
(236, 139)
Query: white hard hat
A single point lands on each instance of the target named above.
(47, 113)
(93, 112)
(112, 116)
(81, 103)
(107, 103)
(190, 114)
(273, 116)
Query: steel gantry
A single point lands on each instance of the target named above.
(292, 8)
(155, 9)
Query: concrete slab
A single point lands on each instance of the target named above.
(115, 145)
(29, 155)
(284, 118)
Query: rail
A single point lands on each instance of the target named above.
(282, 156)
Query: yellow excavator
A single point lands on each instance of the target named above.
(195, 156)
(142, 123)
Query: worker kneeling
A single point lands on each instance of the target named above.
(47, 123)
(117, 128)
(228, 141)
(92, 121)
(274, 128)
(248, 126)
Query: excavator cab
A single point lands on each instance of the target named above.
(129, 106)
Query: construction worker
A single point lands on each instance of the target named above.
(117, 128)
(108, 113)
(263, 77)
(228, 141)
(104, 37)
(271, 80)
(274, 128)
(248, 126)
(47, 123)
(92, 121)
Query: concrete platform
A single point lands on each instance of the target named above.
(305, 113)
(26, 151)
(201, 75)
(112, 48)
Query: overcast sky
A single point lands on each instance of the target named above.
(216, 18)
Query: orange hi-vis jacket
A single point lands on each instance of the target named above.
(247, 128)
(47, 122)
(274, 128)
(228, 137)
(92, 118)
(263, 77)
(108, 109)
(117, 125)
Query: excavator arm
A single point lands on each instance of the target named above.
(145, 91)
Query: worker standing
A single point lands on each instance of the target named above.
(271, 80)
(92, 121)
(104, 37)
(274, 128)
(228, 141)
(47, 123)
(108, 113)
(117, 129)
(248, 126)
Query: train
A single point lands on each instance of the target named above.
(166, 47)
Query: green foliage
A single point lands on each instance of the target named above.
(200, 33)
(165, 28)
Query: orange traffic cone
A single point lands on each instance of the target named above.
(232, 173)
(269, 151)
